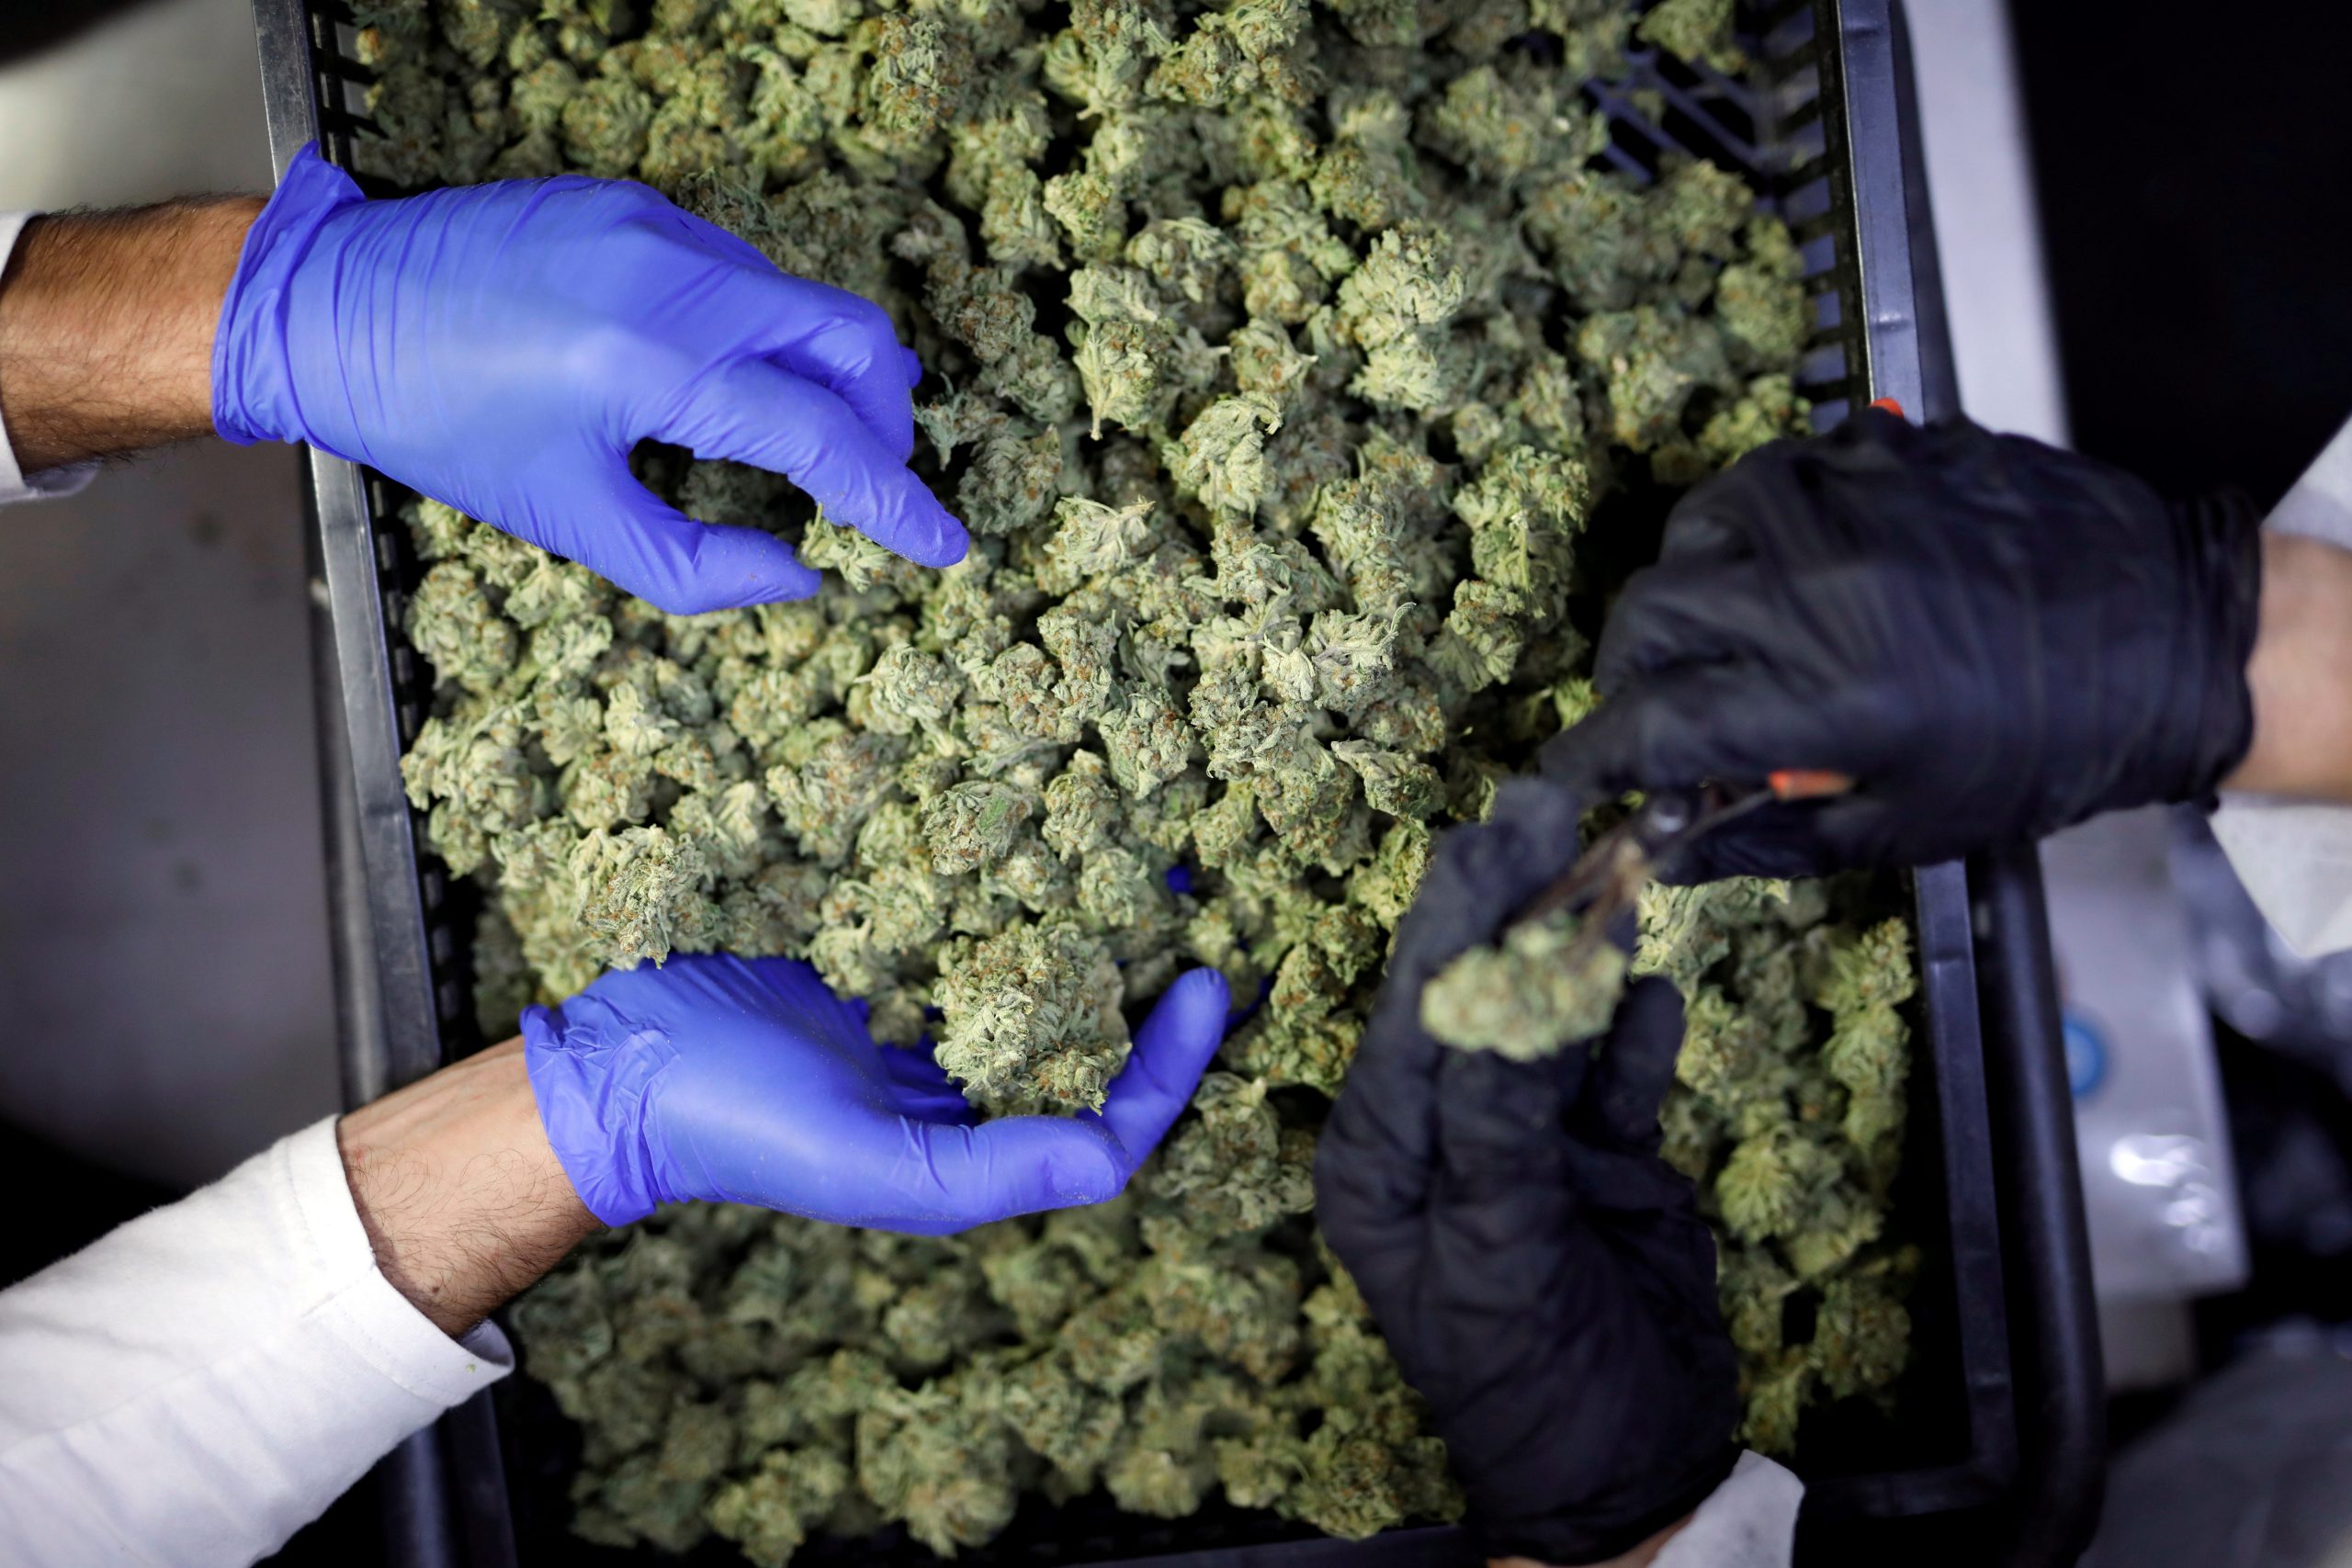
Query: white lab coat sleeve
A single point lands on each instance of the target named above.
(14, 483)
(194, 1386)
(2295, 858)
(1750, 1521)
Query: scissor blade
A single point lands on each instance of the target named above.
(1610, 869)
(1713, 808)
(1608, 876)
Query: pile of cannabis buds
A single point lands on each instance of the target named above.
(1277, 356)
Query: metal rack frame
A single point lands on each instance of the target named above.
(1837, 92)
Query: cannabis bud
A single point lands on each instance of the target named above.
(1548, 984)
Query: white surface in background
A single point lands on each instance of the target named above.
(2159, 1188)
(162, 100)
(1980, 182)
(164, 975)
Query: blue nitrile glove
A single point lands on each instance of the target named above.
(745, 1081)
(501, 347)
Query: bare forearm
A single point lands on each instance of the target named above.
(107, 322)
(2301, 674)
(462, 1198)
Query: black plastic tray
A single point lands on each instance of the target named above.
(1999, 1456)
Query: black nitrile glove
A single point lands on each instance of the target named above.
(1994, 638)
(1540, 1272)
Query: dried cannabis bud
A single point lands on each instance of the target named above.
(1282, 356)
(1695, 29)
(1032, 1017)
(1541, 990)
(1793, 1143)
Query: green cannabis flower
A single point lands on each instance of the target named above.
(1547, 987)
(1788, 1111)
(1284, 356)
(1032, 1017)
(1695, 29)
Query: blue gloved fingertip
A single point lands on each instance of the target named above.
(922, 530)
(784, 593)
(1082, 1173)
(943, 548)
(949, 540)
(914, 366)
(1203, 990)
(786, 577)
(1186, 1024)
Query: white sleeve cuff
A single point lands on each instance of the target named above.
(2295, 859)
(199, 1383)
(1750, 1521)
(365, 1312)
(16, 484)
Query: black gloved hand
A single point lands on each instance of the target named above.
(1540, 1272)
(1997, 638)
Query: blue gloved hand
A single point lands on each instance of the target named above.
(501, 347)
(746, 1081)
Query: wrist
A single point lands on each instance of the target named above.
(462, 1198)
(254, 367)
(2298, 674)
(107, 328)
(591, 1102)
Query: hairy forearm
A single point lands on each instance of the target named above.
(462, 1198)
(2301, 674)
(106, 322)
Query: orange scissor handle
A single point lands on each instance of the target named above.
(1807, 784)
